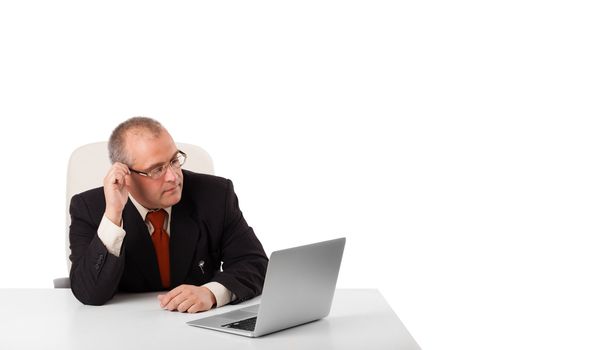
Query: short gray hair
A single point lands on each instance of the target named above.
(136, 125)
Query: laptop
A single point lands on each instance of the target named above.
(299, 287)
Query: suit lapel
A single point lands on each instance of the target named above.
(184, 236)
(139, 246)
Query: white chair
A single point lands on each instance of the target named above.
(88, 166)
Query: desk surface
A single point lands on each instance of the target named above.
(54, 319)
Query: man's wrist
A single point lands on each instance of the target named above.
(114, 216)
(222, 294)
(214, 302)
(111, 235)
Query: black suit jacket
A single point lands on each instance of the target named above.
(206, 226)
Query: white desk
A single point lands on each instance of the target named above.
(54, 319)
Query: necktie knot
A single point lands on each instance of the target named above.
(157, 218)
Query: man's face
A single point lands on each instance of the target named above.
(146, 153)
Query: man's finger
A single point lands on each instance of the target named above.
(175, 302)
(166, 298)
(173, 298)
(198, 307)
(185, 305)
(201, 305)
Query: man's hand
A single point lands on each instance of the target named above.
(187, 298)
(116, 194)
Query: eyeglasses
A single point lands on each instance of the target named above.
(159, 171)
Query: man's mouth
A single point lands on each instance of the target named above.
(171, 189)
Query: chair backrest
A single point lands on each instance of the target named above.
(89, 164)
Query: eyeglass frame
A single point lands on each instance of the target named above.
(165, 165)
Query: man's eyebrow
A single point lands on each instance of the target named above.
(162, 163)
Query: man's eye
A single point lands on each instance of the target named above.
(157, 170)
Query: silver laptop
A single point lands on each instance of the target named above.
(299, 287)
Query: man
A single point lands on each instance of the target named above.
(156, 227)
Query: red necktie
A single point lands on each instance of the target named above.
(161, 242)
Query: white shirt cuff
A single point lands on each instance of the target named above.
(223, 295)
(111, 235)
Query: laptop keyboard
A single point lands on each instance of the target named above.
(246, 324)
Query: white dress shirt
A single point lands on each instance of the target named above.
(112, 237)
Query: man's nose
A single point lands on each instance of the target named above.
(170, 174)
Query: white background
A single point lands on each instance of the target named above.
(457, 144)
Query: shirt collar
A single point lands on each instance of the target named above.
(144, 211)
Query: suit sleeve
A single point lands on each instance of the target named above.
(95, 273)
(244, 261)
